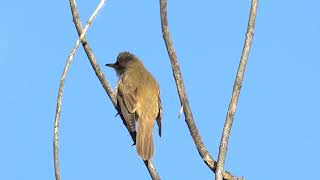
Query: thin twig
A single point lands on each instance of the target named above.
(183, 96)
(76, 19)
(236, 91)
(60, 92)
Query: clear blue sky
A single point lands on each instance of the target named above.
(276, 128)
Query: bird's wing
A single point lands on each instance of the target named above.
(159, 117)
(127, 101)
(129, 94)
(127, 116)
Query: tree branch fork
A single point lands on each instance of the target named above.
(215, 166)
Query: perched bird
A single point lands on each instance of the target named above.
(138, 100)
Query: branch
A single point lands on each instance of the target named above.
(60, 92)
(236, 91)
(149, 165)
(183, 96)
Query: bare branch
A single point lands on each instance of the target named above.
(149, 165)
(183, 96)
(236, 91)
(90, 54)
(60, 92)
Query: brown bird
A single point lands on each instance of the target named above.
(138, 99)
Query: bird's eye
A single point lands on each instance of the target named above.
(120, 63)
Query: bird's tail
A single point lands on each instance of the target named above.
(144, 139)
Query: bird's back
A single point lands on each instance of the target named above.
(147, 107)
(148, 89)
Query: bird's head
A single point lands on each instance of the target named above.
(122, 60)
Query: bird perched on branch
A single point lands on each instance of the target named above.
(138, 99)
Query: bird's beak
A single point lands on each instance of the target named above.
(110, 65)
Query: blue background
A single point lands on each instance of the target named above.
(275, 134)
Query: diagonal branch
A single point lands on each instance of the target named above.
(149, 165)
(183, 96)
(60, 92)
(236, 91)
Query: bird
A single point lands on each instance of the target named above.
(138, 101)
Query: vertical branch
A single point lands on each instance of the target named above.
(60, 92)
(203, 152)
(180, 87)
(76, 19)
(236, 91)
